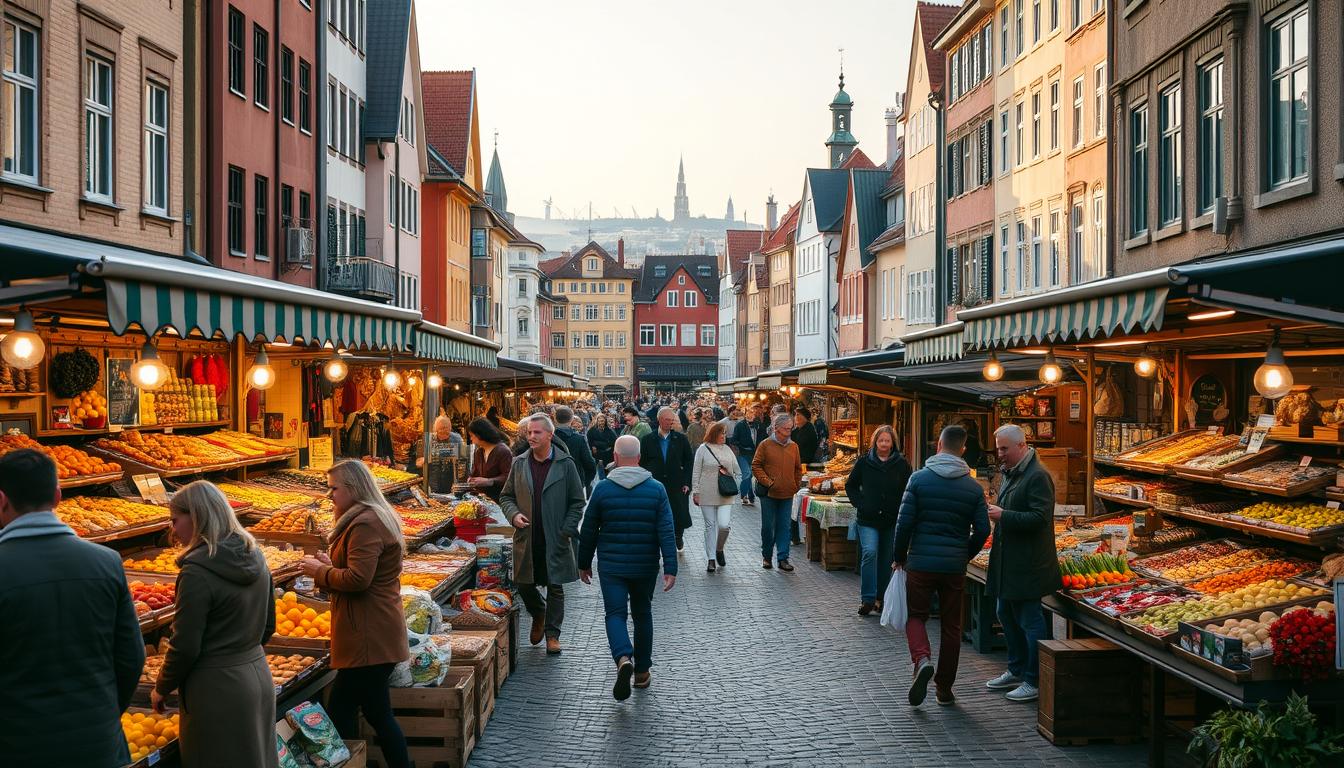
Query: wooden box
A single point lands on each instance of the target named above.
(482, 666)
(501, 646)
(837, 551)
(1064, 466)
(812, 540)
(439, 723)
(1087, 692)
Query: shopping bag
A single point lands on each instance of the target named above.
(894, 609)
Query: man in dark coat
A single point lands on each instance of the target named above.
(71, 648)
(1022, 562)
(578, 447)
(628, 525)
(667, 455)
(942, 524)
(744, 440)
(805, 435)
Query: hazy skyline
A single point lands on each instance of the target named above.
(596, 100)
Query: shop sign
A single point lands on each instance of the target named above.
(123, 397)
(1209, 396)
(1075, 405)
(151, 488)
(812, 377)
(319, 453)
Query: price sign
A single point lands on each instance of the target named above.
(319, 453)
(1257, 440)
(419, 497)
(151, 488)
(114, 428)
(1140, 520)
(1306, 461)
(1332, 504)
(167, 430)
(1265, 420)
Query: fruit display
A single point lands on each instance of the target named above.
(147, 732)
(1135, 596)
(470, 509)
(264, 499)
(154, 595)
(1091, 570)
(294, 619)
(286, 668)
(90, 515)
(89, 407)
(278, 559)
(163, 562)
(1162, 620)
(179, 401)
(167, 451)
(1155, 564)
(387, 476)
(416, 520)
(845, 432)
(70, 462)
(1282, 474)
(298, 520)
(1305, 517)
(423, 581)
(247, 445)
(1253, 633)
(1209, 566)
(1304, 641)
(1256, 574)
(1175, 449)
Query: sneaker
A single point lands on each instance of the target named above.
(1023, 692)
(920, 687)
(1006, 681)
(643, 679)
(784, 565)
(710, 568)
(765, 563)
(625, 669)
(944, 697)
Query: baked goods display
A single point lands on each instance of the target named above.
(94, 515)
(1281, 475)
(71, 462)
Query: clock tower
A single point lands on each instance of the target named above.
(841, 142)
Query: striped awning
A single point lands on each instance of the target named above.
(157, 306)
(934, 345)
(1096, 317)
(445, 345)
(769, 380)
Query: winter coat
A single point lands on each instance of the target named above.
(729, 428)
(695, 433)
(807, 440)
(777, 468)
(494, 468)
(364, 580)
(709, 457)
(628, 524)
(602, 442)
(561, 510)
(639, 429)
(70, 651)
(875, 488)
(225, 612)
(746, 436)
(579, 451)
(674, 472)
(1022, 560)
(943, 521)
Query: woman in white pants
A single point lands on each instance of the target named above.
(712, 459)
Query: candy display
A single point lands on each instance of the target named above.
(1175, 449)
(423, 581)
(1184, 556)
(245, 444)
(278, 558)
(156, 449)
(1282, 475)
(264, 499)
(71, 462)
(1167, 538)
(92, 515)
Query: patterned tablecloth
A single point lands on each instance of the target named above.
(830, 513)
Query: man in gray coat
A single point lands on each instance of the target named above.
(71, 648)
(543, 498)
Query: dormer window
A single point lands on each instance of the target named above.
(681, 279)
(703, 269)
(592, 265)
(659, 270)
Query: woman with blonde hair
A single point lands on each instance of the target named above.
(714, 459)
(215, 661)
(368, 630)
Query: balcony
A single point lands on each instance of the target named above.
(361, 277)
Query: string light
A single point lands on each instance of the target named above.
(149, 373)
(993, 370)
(22, 348)
(261, 375)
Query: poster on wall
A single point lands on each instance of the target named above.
(274, 426)
(1210, 400)
(123, 397)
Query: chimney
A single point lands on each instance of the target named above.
(771, 213)
(620, 251)
(893, 116)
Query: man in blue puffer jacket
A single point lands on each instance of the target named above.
(628, 525)
(943, 523)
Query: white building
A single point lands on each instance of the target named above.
(346, 211)
(739, 244)
(817, 243)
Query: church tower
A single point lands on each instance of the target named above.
(729, 214)
(841, 143)
(681, 206)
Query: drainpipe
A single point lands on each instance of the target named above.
(191, 166)
(1115, 140)
(941, 263)
(319, 198)
(396, 227)
(278, 254)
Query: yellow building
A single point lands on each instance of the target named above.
(597, 342)
(450, 189)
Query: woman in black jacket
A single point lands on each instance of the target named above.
(875, 487)
(601, 441)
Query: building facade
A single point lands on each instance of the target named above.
(888, 250)
(1086, 113)
(777, 252)
(755, 296)
(864, 220)
(676, 323)
(739, 244)
(452, 128)
(817, 238)
(344, 216)
(600, 292)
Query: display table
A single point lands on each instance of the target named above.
(826, 520)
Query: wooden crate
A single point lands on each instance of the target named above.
(439, 723)
(1064, 466)
(482, 666)
(501, 646)
(837, 551)
(1087, 692)
(813, 540)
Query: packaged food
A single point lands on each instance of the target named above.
(431, 655)
(423, 615)
(317, 735)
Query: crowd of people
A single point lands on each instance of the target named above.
(612, 484)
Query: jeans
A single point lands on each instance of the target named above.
(552, 608)
(877, 547)
(747, 491)
(365, 688)
(775, 514)
(1023, 625)
(717, 518)
(920, 587)
(624, 596)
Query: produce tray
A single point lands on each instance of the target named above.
(318, 644)
(1140, 567)
(392, 488)
(1138, 632)
(1266, 453)
(135, 467)
(1290, 491)
(311, 542)
(429, 534)
(144, 553)
(1140, 503)
(282, 646)
(117, 534)
(80, 481)
(163, 616)
(1113, 619)
(159, 755)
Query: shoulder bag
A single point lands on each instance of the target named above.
(727, 485)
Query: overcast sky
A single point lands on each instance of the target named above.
(595, 99)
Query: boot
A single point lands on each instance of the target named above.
(723, 539)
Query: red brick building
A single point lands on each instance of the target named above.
(676, 323)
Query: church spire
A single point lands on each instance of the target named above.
(681, 205)
(729, 215)
(841, 142)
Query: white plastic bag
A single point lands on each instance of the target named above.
(894, 609)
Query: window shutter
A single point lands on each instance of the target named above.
(333, 244)
(986, 266)
(358, 248)
(986, 139)
(953, 276)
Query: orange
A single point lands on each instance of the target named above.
(314, 633)
(310, 614)
(295, 615)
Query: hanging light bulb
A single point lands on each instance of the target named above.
(435, 380)
(391, 379)
(993, 370)
(22, 348)
(149, 373)
(1146, 365)
(1273, 379)
(335, 368)
(1050, 372)
(412, 380)
(261, 375)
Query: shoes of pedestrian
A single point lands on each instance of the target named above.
(710, 568)
(538, 630)
(719, 556)
(920, 687)
(1005, 682)
(785, 565)
(944, 698)
(796, 542)
(866, 609)
(1023, 692)
(680, 545)
(642, 679)
(553, 646)
(765, 563)
(625, 669)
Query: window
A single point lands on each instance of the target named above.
(305, 97)
(98, 86)
(620, 367)
(1054, 15)
(672, 298)
(707, 335)
(20, 117)
(592, 265)
(1138, 170)
(620, 339)
(1003, 37)
(261, 234)
(608, 339)
(1076, 257)
(557, 312)
(607, 311)
(591, 340)
(1003, 260)
(667, 335)
(688, 334)
(606, 368)
(576, 340)
(1075, 13)
(305, 210)
(589, 311)
(156, 148)
(1036, 124)
(334, 111)
(1020, 29)
(620, 287)
(620, 311)
(1097, 265)
(235, 213)
(590, 367)
(237, 80)
(1099, 99)
(1054, 116)
(1078, 88)
(1169, 159)
(1288, 98)
(524, 328)
(1035, 251)
(1035, 21)
(1021, 255)
(557, 340)
(646, 335)
(1210, 171)
(1054, 247)
(576, 312)
(681, 279)
(1003, 142)
(691, 299)
(261, 58)
(1020, 145)
(522, 287)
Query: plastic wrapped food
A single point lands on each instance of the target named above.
(431, 655)
(465, 646)
(317, 735)
(423, 615)
(489, 601)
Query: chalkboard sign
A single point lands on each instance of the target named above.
(123, 397)
(1209, 395)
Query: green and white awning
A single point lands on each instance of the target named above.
(1095, 317)
(445, 345)
(934, 345)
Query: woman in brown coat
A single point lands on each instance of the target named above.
(368, 629)
(490, 466)
(225, 611)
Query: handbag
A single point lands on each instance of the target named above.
(727, 485)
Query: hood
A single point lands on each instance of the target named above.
(871, 458)
(947, 466)
(232, 561)
(34, 524)
(628, 477)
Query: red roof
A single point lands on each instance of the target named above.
(550, 265)
(858, 160)
(447, 102)
(933, 19)
(740, 244)
(783, 234)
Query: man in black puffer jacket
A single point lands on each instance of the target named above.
(943, 523)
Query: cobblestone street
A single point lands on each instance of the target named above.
(757, 667)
